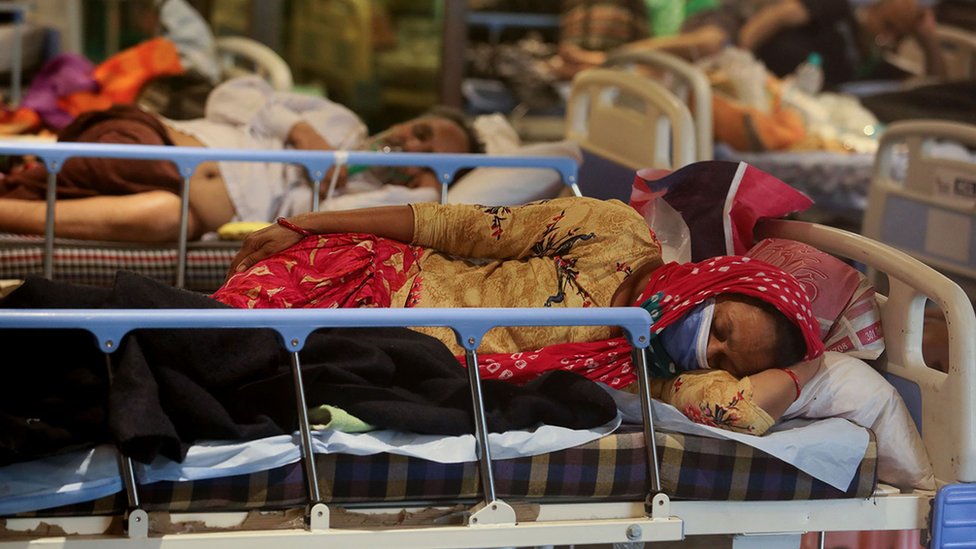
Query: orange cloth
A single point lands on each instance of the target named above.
(749, 129)
(121, 76)
(21, 120)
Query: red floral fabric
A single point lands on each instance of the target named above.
(325, 271)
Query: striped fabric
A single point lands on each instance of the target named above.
(95, 263)
(611, 468)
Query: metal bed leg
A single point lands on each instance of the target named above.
(136, 518)
(657, 502)
(52, 193)
(316, 513)
(491, 510)
(184, 227)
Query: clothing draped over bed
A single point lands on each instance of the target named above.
(84, 177)
(173, 387)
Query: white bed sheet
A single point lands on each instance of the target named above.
(829, 449)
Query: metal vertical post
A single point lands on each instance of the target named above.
(640, 363)
(311, 476)
(51, 195)
(480, 426)
(184, 228)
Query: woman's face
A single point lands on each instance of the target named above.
(741, 339)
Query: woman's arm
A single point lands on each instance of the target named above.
(394, 222)
(770, 20)
(563, 227)
(774, 390)
(748, 405)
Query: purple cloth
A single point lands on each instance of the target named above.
(61, 76)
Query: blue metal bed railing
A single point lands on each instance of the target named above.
(316, 163)
(293, 327)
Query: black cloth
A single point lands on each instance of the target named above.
(170, 388)
(954, 101)
(833, 33)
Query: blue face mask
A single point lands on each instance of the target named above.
(686, 341)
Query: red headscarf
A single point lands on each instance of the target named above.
(682, 287)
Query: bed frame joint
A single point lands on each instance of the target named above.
(657, 505)
(317, 516)
(492, 512)
(137, 524)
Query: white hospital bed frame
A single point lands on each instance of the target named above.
(947, 416)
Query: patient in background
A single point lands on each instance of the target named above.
(127, 200)
(728, 344)
(783, 33)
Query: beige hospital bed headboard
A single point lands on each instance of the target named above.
(688, 82)
(623, 122)
(630, 120)
(922, 197)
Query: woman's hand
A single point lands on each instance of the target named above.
(260, 245)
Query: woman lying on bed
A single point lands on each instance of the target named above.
(570, 252)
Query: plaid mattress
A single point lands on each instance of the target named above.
(95, 263)
(611, 468)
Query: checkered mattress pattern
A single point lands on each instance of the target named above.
(610, 468)
(95, 263)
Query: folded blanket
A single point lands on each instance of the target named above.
(172, 387)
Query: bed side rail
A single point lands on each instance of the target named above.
(948, 399)
(293, 327)
(316, 163)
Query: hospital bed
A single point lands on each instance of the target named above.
(922, 194)
(836, 181)
(201, 265)
(607, 499)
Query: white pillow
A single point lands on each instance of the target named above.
(514, 186)
(849, 388)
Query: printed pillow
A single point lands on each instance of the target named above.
(842, 298)
(514, 186)
(849, 388)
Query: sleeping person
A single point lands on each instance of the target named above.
(750, 326)
(138, 200)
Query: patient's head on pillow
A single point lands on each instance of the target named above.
(727, 311)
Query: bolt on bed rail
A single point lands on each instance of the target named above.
(316, 163)
(293, 327)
